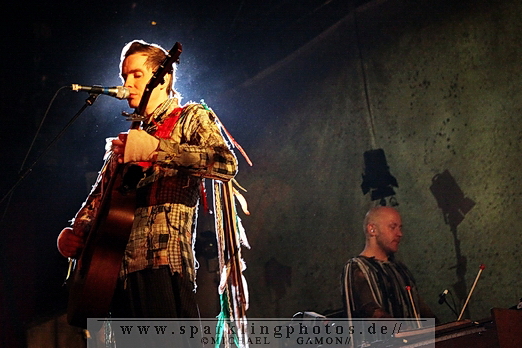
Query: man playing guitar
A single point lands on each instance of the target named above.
(174, 150)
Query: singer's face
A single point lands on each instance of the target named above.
(136, 76)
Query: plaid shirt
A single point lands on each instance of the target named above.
(167, 197)
(168, 194)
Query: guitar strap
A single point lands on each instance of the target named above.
(164, 130)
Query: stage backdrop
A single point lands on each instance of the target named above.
(437, 87)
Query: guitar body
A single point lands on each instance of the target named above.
(97, 269)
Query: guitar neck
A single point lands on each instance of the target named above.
(156, 79)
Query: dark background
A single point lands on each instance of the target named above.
(306, 87)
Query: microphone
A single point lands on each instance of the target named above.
(442, 296)
(118, 92)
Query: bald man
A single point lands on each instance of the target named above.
(374, 283)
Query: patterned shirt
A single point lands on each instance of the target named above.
(370, 285)
(165, 220)
(377, 289)
(190, 148)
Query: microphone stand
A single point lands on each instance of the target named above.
(88, 102)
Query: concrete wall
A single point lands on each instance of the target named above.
(444, 89)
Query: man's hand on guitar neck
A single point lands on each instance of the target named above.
(70, 243)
